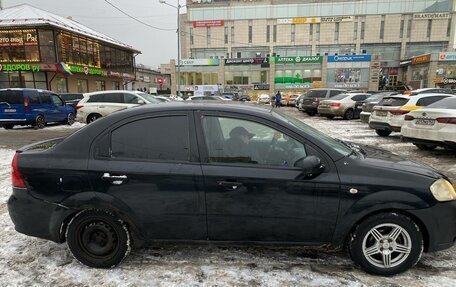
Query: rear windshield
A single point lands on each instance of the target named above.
(339, 97)
(11, 97)
(316, 94)
(448, 103)
(393, 102)
(70, 97)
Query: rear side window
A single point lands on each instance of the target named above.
(429, 100)
(334, 93)
(96, 98)
(45, 98)
(447, 103)
(11, 97)
(34, 98)
(113, 98)
(161, 138)
(359, 98)
(393, 102)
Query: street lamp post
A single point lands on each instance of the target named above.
(178, 7)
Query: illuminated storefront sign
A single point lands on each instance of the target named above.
(246, 61)
(448, 56)
(310, 20)
(421, 59)
(18, 38)
(200, 62)
(350, 58)
(213, 23)
(19, 67)
(296, 60)
(86, 70)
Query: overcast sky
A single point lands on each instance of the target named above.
(157, 47)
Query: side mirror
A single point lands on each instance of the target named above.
(141, 102)
(311, 166)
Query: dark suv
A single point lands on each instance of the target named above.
(33, 107)
(311, 100)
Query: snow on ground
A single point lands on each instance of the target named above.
(51, 126)
(28, 261)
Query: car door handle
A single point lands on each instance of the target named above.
(229, 185)
(114, 179)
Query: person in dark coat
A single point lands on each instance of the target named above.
(278, 97)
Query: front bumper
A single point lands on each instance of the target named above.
(383, 126)
(440, 223)
(35, 217)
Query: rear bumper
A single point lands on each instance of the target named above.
(337, 111)
(36, 217)
(310, 109)
(449, 144)
(440, 222)
(383, 126)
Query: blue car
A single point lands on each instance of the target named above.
(33, 107)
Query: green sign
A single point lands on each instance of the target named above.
(19, 67)
(296, 60)
(87, 70)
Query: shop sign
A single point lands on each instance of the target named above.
(126, 76)
(337, 19)
(449, 81)
(262, 87)
(19, 67)
(405, 63)
(200, 62)
(317, 84)
(437, 80)
(246, 61)
(146, 79)
(296, 60)
(293, 86)
(29, 38)
(449, 56)
(114, 74)
(350, 58)
(347, 85)
(421, 59)
(428, 16)
(310, 20)
(86, 70)
(213, 23)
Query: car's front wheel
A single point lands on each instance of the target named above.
(40, 123)
(8, 126)
(383, 133)
(98, 239)
(386, 244)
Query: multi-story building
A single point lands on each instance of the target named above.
(393, 30)
(151, 81)
(42, 50)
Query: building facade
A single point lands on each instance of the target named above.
(393, 30)
(151, 81)
(45, 51)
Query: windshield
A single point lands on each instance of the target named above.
(448, 103)
(342, 149)
(149, 98)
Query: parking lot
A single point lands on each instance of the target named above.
(27, 261)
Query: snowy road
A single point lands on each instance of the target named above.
(27, 261)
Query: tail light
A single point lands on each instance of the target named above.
(409, 118)
(399, 112)
(334, 104)
(78, 107)
(446, 120)
(26, 104)
(17, 179)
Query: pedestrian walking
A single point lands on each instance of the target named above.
(278, 97)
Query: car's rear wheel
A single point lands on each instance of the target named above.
(330, 117)
(311, 113)
(98, 239)
(383, 133)
(386, 244)
(349, 115)
(8, 126)
(70, 119)
(425, 147)
(93, 117)
(39, 122)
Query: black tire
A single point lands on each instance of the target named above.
(8, 126)
(330, 117)
(311, 113)
(40, 122)
(383, 133)
(349, 114)
(93, 117)
(426, 147)
(402, 253)
(98, 239)
(70, 119)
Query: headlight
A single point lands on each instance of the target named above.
(443, 190)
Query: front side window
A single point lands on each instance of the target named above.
(57, 101)
(161, 138)
(130, 99)
(237, 141)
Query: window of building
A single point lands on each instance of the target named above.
(336, 49)
(19, 46)
(293, 51)
(416, 49)
(382, 28)
(429, 28)
(387, 52)
(239, 75)
(336, 32)
(34, 80)
(363, 27)
(133, 141)
(83, 86)
(47, 46)
(115, 85)
(62, 85)
(318, 31)
(311, 28)
(298, 74)
(268, 33)
(226, 35)
(191, 36)
(238, 55)
(293, 33)
(409, 28)
(401, 30)
(449, 28)
(100, 85)
(208, 35)
(232, 34)
(250, 32)
(274, 33)
(355, 30)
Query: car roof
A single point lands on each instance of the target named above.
(110, 91)
(26, 89)
(419, 96)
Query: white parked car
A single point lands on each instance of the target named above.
(388, 116)
(432, 126)
(264, 99)
(100, 104)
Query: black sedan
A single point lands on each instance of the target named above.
(227, 173)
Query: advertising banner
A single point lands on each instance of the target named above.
(296, 60)
(246, 61)
(429, 16)
(310, 20)
(199, 62)
(421, 59)
(349, 58)
(213, 23)
(447, 56)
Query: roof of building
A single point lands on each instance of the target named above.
(27, 15)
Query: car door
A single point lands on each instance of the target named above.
(47, 107)
(254, 192)
(149, 165)
(112, 102)
(59, 109)
(359, 100)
